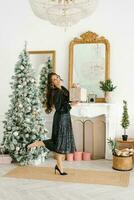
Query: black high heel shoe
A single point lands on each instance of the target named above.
(61, 173)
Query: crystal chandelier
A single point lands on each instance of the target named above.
(63, 12)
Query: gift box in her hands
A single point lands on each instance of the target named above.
(78, 94)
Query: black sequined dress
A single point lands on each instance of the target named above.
(62, 140)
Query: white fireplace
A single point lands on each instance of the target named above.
(91, 110)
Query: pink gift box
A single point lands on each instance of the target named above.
(5, 159)
(70, 157)
(77, 156)
(86, 156)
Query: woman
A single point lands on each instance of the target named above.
(62, 141)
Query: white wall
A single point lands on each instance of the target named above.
(112, 19)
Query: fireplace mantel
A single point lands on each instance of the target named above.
(90, 110)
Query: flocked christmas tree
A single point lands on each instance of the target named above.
(46, 69)
(24, 122)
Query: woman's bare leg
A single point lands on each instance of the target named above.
(59, 159)
(63, 157)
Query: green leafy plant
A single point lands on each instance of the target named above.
(113, 145)
(107, 86)
(125, 117)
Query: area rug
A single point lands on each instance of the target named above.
(74, 175)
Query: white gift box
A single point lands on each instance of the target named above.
(78, 94)
(5, 159)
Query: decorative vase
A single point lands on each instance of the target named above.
(77, 156)
(70, 157)
(124, 137)
(122, 163)
(108, 97)
(86, 156)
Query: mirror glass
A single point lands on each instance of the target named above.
(41, 59)
(89, 67)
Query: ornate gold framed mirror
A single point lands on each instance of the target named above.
(89, 58)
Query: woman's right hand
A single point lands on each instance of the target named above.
(36, 144)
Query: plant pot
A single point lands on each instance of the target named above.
(122, 163)
(70, 157)
(124, 137)
(86, 156)
(108, 97)
(77, 156)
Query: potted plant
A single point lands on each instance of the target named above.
(125, 120)
(107, 87)
(122, 158)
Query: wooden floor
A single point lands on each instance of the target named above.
(20, 189)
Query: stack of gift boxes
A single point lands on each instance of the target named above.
(78, 156)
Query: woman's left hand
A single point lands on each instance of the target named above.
(36, 144)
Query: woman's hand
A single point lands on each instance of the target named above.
(74, 85)
(36, 144)
(74, 103)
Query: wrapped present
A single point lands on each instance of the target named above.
(69, 156)
(5, 159)
(86, 156)
(77, 155)
(78, 94)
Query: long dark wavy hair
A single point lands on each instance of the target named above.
(49, 94)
